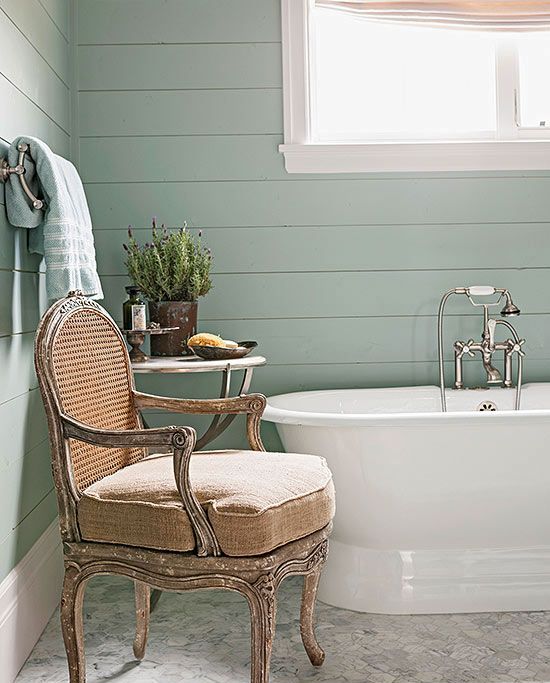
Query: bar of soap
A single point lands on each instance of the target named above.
(230, 344)
(205, 339)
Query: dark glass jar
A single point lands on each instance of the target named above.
(134, 310)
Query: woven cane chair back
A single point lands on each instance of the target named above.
(93, 384)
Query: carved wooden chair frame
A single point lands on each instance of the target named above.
(257, 578)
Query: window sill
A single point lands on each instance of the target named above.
(383, 157)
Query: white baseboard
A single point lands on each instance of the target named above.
(29, 596)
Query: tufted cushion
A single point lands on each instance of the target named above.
(255, 501)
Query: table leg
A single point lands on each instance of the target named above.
(219, 424)
(224, 393)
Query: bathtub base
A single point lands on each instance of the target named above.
(436, 581)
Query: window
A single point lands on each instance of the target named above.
(363, 94)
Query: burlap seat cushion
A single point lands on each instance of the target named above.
(255, 501)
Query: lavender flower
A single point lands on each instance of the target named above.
(173, 266)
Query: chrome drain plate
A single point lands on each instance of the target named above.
(487, 405)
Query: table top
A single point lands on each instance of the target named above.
(185, 364)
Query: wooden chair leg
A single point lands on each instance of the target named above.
(314, 651)
(143, 613)
(263, 609)
(72, 600)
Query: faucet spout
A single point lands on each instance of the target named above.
(493, 375)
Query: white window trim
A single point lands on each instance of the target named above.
(524, 149)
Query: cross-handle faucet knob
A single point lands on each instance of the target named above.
(468, 347)
(464, 348)
(515, 347)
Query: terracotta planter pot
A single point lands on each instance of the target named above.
(182, 314)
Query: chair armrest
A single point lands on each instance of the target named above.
(247, 404)
(251, 405)
(129, 438)
(182, 441)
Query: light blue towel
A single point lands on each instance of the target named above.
(63, 231)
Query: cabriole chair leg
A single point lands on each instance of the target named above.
(263, 607)
(143, 613)
(309, 595)
(72, 600)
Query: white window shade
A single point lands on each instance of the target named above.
(498, 15)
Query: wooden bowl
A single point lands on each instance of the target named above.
(220, 353)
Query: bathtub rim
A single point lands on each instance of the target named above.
(285, 416)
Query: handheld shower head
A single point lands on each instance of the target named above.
(510, 309)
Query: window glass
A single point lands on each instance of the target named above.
(386, 81)
(534, 83)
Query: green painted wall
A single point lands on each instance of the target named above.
(338, 277)
(35, 77)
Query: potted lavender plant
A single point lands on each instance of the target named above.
(172, 271)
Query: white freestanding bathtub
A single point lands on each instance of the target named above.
(436, 512)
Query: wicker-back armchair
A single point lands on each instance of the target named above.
(240, 520)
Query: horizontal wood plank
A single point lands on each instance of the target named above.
(180, 158)
(322, 202)
(398, 340)
(280, 379)
(196, 157)
(178, 21)
(353, 248)
(189, 112)
(345, 294)
(172, 67)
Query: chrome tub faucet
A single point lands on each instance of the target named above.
(487, 345)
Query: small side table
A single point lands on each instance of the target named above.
(181, 365)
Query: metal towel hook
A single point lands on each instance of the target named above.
(6, 170)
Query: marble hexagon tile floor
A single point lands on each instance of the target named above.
(203, 637)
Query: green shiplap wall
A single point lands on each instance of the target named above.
(35, 85)
(338, 277)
